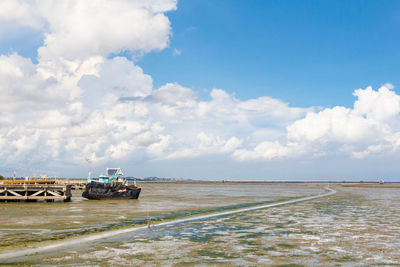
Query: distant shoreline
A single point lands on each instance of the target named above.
(182, 180)
(347, 183)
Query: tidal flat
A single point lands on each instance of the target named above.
(357, 226)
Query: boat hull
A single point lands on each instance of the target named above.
(96, 190)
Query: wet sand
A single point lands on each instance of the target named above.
(357, 226)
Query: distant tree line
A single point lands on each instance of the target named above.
(1, 177)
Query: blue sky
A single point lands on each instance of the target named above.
(307, 53)
(201, 89)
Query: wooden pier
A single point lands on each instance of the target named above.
(35, 192)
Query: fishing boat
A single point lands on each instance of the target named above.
(113, 185)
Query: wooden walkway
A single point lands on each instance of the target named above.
(35, 192)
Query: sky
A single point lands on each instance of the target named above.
(200, 89)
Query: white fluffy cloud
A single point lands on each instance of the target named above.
(370, 127)
(83, 28)
(21, 12)
(23, 89)
(80, 104)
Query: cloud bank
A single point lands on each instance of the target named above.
(80, 104)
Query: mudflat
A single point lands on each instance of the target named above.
(355, 226)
